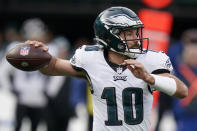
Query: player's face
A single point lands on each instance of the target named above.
(130, 36)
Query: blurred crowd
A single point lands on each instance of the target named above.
(183, 55)
(31, 101)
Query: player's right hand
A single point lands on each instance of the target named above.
(138, 70)
(37, 44)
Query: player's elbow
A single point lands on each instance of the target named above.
(182, 92)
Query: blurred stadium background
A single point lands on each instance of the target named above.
(67, 16)
(74, 19)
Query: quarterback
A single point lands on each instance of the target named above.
(122, 72)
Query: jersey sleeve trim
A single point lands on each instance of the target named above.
(77, 68)
(88, 77)
(160, 71)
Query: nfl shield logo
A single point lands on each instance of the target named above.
(119, 70)
(24, 50)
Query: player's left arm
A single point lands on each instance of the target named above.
(181, 88)
(164, 82)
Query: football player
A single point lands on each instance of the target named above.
(122, 72)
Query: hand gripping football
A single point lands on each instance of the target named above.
(27, 57)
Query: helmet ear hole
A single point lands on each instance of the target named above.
(115, 31)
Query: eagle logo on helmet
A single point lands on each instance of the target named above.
(110, 23)
(120, 20)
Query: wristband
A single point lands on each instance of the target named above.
(164, 84)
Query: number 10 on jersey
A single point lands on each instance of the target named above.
(132, 100)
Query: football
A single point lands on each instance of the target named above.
(27, 57)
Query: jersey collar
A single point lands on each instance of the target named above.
(111, 64)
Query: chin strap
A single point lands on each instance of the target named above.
(131, 53)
